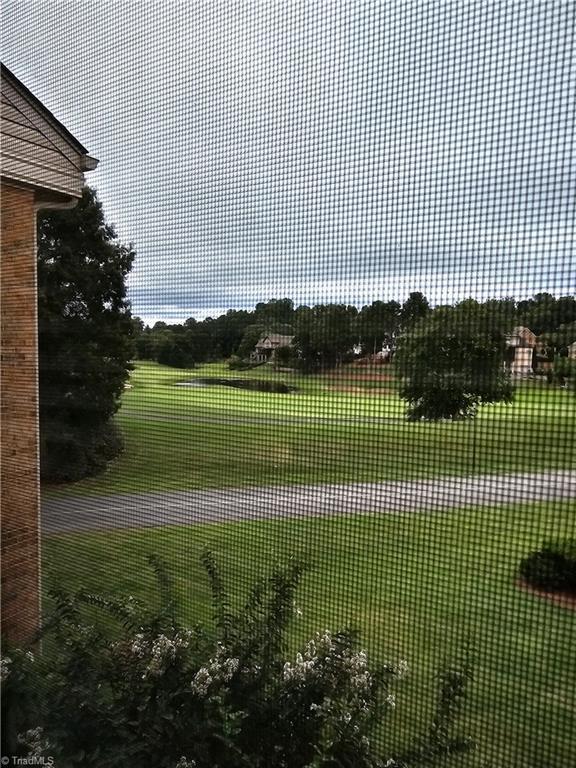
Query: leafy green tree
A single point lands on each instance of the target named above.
(544, 313)
(198, 341)
(558, 341)
(564, 372)
(503, 312)
(250, 338)
(142, 339)
(284, 357)
(324, 335)
(226, 331)
(143, 343)
(85, 333)
(414, 309)
(453, 361)
(377, 323)
(274, 312)
(173, 348)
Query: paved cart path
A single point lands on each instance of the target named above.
(158, 508)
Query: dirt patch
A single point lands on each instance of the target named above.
(352, 376)
(564, 599)
(377, 391)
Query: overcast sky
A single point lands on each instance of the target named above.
(326, 151)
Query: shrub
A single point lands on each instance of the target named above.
(236, 363)
(284, 357)
(563, 372)
(552, 567)
(20, 698)
(69, 453)
(146, 690)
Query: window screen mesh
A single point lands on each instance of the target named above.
(353, 227)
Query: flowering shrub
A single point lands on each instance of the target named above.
(145, 690)
(20, 696)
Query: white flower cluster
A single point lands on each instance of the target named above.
(401, 668)
(139, 646)
(318, 651)
(5, 664)
(356, 665)
(35, 741)
(161, 651)
(299, 670)
(131, 604)
(322, 645)
(185, 763)
(324, 708)
(219, 669)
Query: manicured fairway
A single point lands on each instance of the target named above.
(415, 585)
(331, 430)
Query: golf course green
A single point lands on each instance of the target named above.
(345, 427)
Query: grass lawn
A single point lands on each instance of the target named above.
(414, 585)
(344, 429)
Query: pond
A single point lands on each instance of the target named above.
(254, 385)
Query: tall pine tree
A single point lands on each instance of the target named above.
(85, 338)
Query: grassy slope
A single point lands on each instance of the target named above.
(197, 437)
(414, 585)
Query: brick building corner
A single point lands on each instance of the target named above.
(42, 166)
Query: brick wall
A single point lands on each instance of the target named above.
(19, 495)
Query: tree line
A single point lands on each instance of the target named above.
(325, 334)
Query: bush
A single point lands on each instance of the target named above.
(284, 357)
(146, 690)
(20, 698)
(563, 372)
(553, 567)
(236, 363)
(69, 453)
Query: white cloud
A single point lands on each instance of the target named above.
(317, 150)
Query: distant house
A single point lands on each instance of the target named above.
(522, 343)
(268, 344)
(381, 355)
(522, 337)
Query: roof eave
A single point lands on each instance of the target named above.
(88, 163)
(37, 104)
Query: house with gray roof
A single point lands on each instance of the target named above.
(268, 344)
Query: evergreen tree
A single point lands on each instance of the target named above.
(85, 338)
(414, 309)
